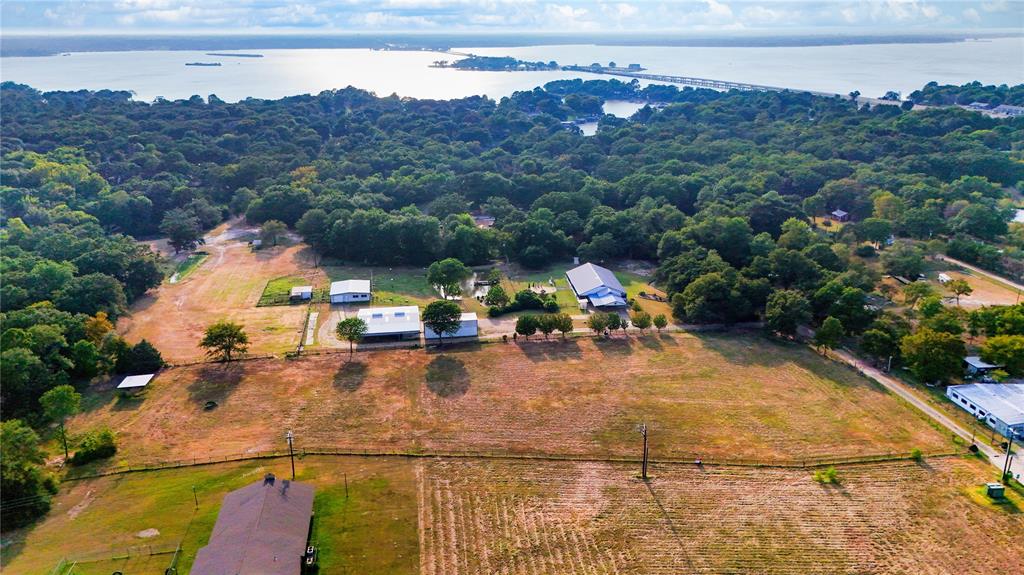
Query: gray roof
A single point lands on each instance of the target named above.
(262, 529)
(588, 277)
(978, 363)
(350, 286)
(1005, 401)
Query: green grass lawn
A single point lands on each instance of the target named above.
(391, 286)
(189, 265)
(278, 290)
(96, 522)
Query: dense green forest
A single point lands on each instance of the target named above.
(935, 95)
(718, 189)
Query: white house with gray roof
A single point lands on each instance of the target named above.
(597, 285)
(350, 291)
(1000, 405)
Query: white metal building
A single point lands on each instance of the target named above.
(136, 382)
(403, 321)
(350, 291)
(1000, 405)
(597, 285)
(468, 327)
(977, 366)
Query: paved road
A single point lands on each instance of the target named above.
(979, 271)
(901, 389)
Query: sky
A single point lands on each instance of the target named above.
(556, 16)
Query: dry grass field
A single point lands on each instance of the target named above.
(590, 518)
(986, 291)
(227, 285)
(713, 396)
(444, 516)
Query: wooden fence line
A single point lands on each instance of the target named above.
(804, 463)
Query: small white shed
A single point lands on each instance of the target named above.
(301, 293)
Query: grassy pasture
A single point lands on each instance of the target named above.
(732, 396)
(391, 286)
(94, 520)
(464, 516)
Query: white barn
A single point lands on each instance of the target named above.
(350, 291)
(402, 321)
(468, 327)
(597, 285)
(1000, 405)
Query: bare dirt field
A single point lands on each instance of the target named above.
(714, 396)
(592, 518)
(226, 285)
(986, 291)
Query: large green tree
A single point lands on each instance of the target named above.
(225, 339)
(447, 276)
(25, 486)
(1005, 350)
(932, 355)
(785, 311)
(59, 404)
(352, 330)
(444, 317)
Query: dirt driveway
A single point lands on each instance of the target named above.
(226, 286)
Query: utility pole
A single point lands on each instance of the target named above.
(643, 468)
(1009, 448)
(194, 496)
(291, 452)
(888, 366)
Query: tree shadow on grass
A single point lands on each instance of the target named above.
(350, 376)
(614, 346)
(755, 349)
(447, 377)
(215, 382)
(552, 350)
(128, 401)
(651, 342)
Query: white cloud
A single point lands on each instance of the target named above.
(971, 15)
(996, 6)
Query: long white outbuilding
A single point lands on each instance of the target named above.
(402, 321)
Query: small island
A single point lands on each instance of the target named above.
(495, 64)
(202, 63)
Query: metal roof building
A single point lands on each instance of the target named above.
(401, 321)
(136, 381)
(346, 291)
(977, 365)
(596, 284)
(262, 529)
(1000, 405)
(468, 327)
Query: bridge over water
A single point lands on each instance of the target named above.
(692, 81)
